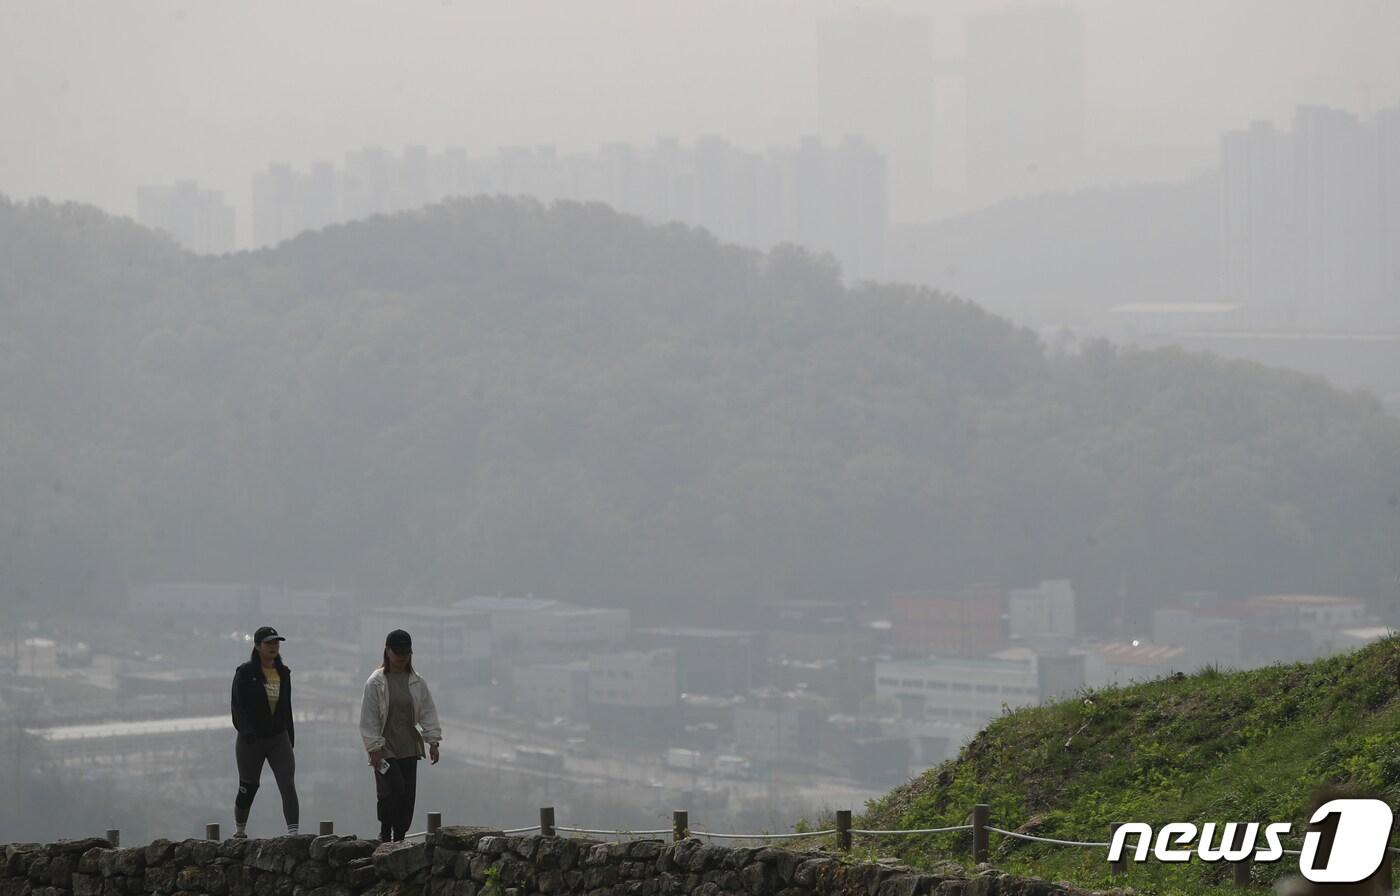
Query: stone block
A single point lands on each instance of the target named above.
(784, 861)
(517, 874)
(400, 861)
(343, 852)
(445, 862)
(460, 838)
(234, 848)
(522, 846)
(61, 868)
(805, 874)
(900, 885)
(739, 857)
(86, 885)
(479, 866)
(159, 852)
(757, 878)
(492, 844)
(39, 871)
(160, 879)
(311, 875)
(75, 848)
(358, 874)
(597, 856)
(192, 879)
(600, 877)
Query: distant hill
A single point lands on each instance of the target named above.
(1244, 746)
(1067, 258)
(493, 395)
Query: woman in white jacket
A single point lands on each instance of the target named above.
(396, 705)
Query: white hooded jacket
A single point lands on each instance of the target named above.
(374, 710)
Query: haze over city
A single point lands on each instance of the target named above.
(117, 95)
(741, 404)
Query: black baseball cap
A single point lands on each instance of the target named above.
(399, 641)
(266, 633)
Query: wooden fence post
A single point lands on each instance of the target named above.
(1120, 867)
(114, 837)
(327, 827)
(980, 813)
(434, 822)
(546, 821)
(843, 830)
(1241, 868)
(211, 831)
(680, 825)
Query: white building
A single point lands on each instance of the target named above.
(552, 690)
(449, 645)
(641, 679)
(1209, 638)
(1043, 612)
(963, 690)
(528, 628)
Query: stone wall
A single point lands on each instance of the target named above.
(458, 861)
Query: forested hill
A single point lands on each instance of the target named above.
(494, 395)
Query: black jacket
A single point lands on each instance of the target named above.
(251, 715)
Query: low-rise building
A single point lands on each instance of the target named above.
(635, 691)
(966, 623)
(709, 660)
(965, 690)
(1127, 662)
(530, 629)
(1045, 612)
(450, 646)
(551, 690)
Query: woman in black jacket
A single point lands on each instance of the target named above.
(262, 713)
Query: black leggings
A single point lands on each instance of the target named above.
(276, 751)
(395, 792)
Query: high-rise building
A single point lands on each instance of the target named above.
(827, 198)
(1310, 221)
(1024, 67)
(875, 80)
(197, 219)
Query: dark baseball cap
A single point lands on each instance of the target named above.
(266, 633)
(399, 641)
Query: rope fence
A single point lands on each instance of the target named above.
(680, 829)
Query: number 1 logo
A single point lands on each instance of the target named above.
(1348, 841)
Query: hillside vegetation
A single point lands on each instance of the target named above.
(498, 396)
(1238, 746)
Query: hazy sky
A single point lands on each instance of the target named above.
(100, 96)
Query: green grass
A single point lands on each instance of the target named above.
(1215, 746)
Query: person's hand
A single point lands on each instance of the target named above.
(374, 757)
(433, 753)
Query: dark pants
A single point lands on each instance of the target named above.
(395, 792)
(276, 751)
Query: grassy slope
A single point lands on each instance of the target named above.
(1214, 746)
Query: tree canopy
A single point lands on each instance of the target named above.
(496, 395)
